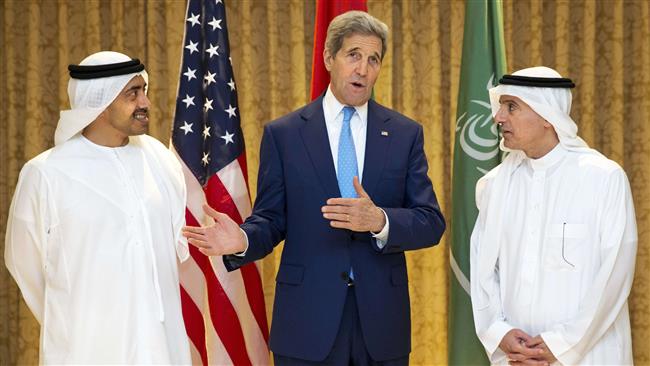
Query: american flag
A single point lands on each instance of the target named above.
(224, 312)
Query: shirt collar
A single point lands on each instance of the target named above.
(548, 160)
(103, 148)
(332, 107)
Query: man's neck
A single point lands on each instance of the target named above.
(103, 139)
(541, 150)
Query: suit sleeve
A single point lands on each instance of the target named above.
(419, 222)
(266, 227)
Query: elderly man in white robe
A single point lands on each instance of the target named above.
(94, 228)
(554, 245)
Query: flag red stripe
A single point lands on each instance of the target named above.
(219, 199)
(224, 318)
(255, 295)
(241, 159)
(194, 324)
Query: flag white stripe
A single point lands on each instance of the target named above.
(196, 355)
(232, 178)
(193, 282)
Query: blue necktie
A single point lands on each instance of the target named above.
(347, 160)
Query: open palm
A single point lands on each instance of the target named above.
(222, 237)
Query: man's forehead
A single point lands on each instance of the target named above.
(510, 98)
(360, 40)
(137, 81)
(505, 98)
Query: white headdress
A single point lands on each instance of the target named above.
(548, 94)
(93, 86)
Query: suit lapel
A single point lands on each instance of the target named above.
(314, 136)
(378, 138)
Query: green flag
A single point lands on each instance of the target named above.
(476, 151)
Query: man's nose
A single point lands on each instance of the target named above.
(143, 101)
(362, 68)
(500, 116)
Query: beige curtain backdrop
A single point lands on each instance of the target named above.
(603, 45)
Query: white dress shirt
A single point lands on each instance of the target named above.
(333, 111)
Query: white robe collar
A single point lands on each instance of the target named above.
(549, 160)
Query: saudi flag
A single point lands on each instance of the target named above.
(476, 151)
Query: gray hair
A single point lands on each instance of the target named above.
(354, 22)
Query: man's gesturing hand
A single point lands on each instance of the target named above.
(222, 237)
(356, 214)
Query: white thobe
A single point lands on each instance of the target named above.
(92, 241)
(565, 260)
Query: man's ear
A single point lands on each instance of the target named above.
(327, 58)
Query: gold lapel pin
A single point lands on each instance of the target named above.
(384, 133)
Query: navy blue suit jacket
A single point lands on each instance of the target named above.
(296, 177)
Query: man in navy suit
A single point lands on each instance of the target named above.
(344, 182)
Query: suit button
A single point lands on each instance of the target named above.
(345, 276)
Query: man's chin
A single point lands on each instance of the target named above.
(357, 100)
(139, 131)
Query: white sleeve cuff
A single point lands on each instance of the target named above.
(492, 337)
(560, 348)
(243, 254)
(182, 249)
(382, 236)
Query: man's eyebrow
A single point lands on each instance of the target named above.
(136, 87)
(358, 48)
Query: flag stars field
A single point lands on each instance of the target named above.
(210, 78)
(188, 101)
(228, 138)
(192, 47)
(208, 104)
(215, 23)
(231, 111)
(213, 50)
(194, 19)
(190, 73)
(186, 127)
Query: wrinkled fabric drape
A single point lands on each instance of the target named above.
(603, 45)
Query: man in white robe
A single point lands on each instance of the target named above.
(553, 249)
(94, 229)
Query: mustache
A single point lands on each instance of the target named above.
(141, 110)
